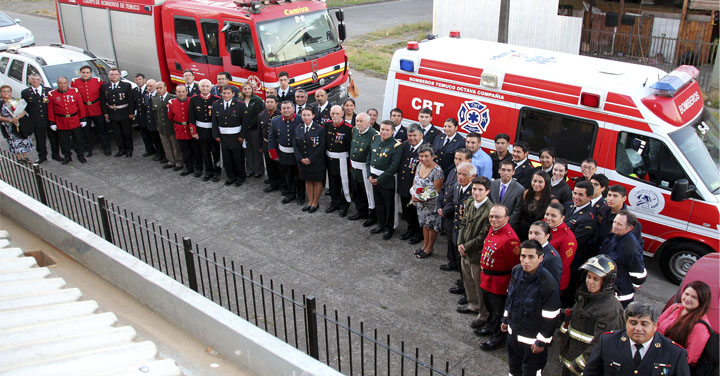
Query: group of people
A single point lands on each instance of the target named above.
(526, 240)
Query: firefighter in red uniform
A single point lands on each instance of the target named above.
(501, 252)
(89, 88)
(66, 114)
(563, 240)
(185, 132)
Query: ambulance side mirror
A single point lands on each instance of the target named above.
(342, 33)
(681, 190)
(237, 56)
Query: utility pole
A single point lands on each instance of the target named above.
(503, 22)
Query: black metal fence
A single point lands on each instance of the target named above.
(319, 331)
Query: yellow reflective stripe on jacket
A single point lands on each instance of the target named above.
(580, 336)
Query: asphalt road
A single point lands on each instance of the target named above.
(338, 261)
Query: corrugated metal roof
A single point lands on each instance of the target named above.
(47, 329)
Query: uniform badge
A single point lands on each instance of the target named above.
(623, 338)
(657, 345)
(315, 140)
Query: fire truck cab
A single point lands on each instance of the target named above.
(647, 130)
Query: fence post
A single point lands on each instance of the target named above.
(104, 218)
(39, 184)
(190, 262)
(311, 324)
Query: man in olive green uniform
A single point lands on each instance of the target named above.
(362, 135)
(383, 163)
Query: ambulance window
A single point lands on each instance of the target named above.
(211, 35)
(572, 138)
(648, 159)
(186, 35)
(3, 64)
(16, 70)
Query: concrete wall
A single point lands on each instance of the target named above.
(236, 339)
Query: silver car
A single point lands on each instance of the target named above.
(12, 34)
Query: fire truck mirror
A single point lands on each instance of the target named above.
(237, 56)
(681, 189)
(123, 73)
(340, 15)
(341, 32)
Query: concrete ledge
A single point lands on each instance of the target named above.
(236, 339)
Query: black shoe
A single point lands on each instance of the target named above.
(66, 161)
(230, 182)
(312, 209)
(330, 209)
(157, 157)
(178, 168)
(447, 268)
(82, 159)
(266, 181)
(300, 200)
(40, 160)
(216, 178)
(377, 230)
(120, 153)
(356, 216)
(107, 153)
(343, 212)
(198, 174)
(207, 177)
(457, 290)
(492, 344)
(465, 310)
(369, 222)
(258, 176)
(186, 173)
(163, 160)
(88, 154)
(287, 199)
(388, 234)
(482, 331)
(239, 183)
(270, 189)
(405, 236)
(166, 166)
(146, 154)
(462, 300)
(128, 154)
(56, 157)
(477, 323)
(415, 240)
(306, 208)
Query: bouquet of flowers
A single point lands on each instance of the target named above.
(424, 193)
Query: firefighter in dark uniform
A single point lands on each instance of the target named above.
(89, 88)
(322, 107)
(229, 128)
(638, 349)
(280, 136)
(596, 311)
(446, 144)
(141, 113)
(337, 146)
(409, 161)
(580, 219)
(201, 111)
(119, 108)
(524, 169)
(382, 163)
(399, 131)
(531, 312)
(622, 247)
(309, 145)
(271, 111)
(67, 114)
(37, 109)
(185, 132)
(150, 121)
(362, 190)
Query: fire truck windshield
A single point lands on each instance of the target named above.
(297, 38)
(699, 143)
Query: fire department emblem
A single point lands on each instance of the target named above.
(255, 82)
(646, 199)
(314, 77)
(474, 117)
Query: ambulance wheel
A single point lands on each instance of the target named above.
(677, 259)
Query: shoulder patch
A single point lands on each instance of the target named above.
(610, 332)
(397, 143)
(674, 343)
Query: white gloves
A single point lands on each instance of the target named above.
(83, 123)
(53, 127)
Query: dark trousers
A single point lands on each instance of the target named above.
(273, 170)
(295, 186)
(521, 360)
(191, 154)
(337, 198)
(453, 256)
(101, 129)
(495, 305)
(409, 212)
(360, 198)
(43, 132)
(210, 151)
(71, 139)
(234, 163)
(385, 207)
(123, 134)
(157, 142)
(147, 139)
(254, 157)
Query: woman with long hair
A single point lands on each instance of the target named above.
(253, 154)
(559, 187)
(681, 321)
(534, 203)
(349, 114)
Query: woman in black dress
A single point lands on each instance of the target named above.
(309, 144)
(534, 202)
(559, 187)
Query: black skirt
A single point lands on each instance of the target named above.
(314, 172)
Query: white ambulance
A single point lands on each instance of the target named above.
(648, 130)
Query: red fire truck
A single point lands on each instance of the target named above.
(648, 130)
(253, 40)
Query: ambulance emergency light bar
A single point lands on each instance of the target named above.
(675, 80)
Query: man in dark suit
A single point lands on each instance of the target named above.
(524, 169)
(638, 349)
(502, 141)
(580, 219)
(166, 129)
(322, 107)
(190, 84)
(448, 202)
(229, 121)
(408, 163)
(507, 191)
(37, 109)
(119, 108)
(429, 131)
(280, 148)
(285, 92)
(223, 79)
(445, 145)
(399, 131)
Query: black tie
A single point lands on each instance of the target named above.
(637, 358)
(446, 141)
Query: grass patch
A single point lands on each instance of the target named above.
(372, 53)
(344, 3)
(712, 98)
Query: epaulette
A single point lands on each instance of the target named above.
(610, 332)
(677, 344)
(397, 143)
